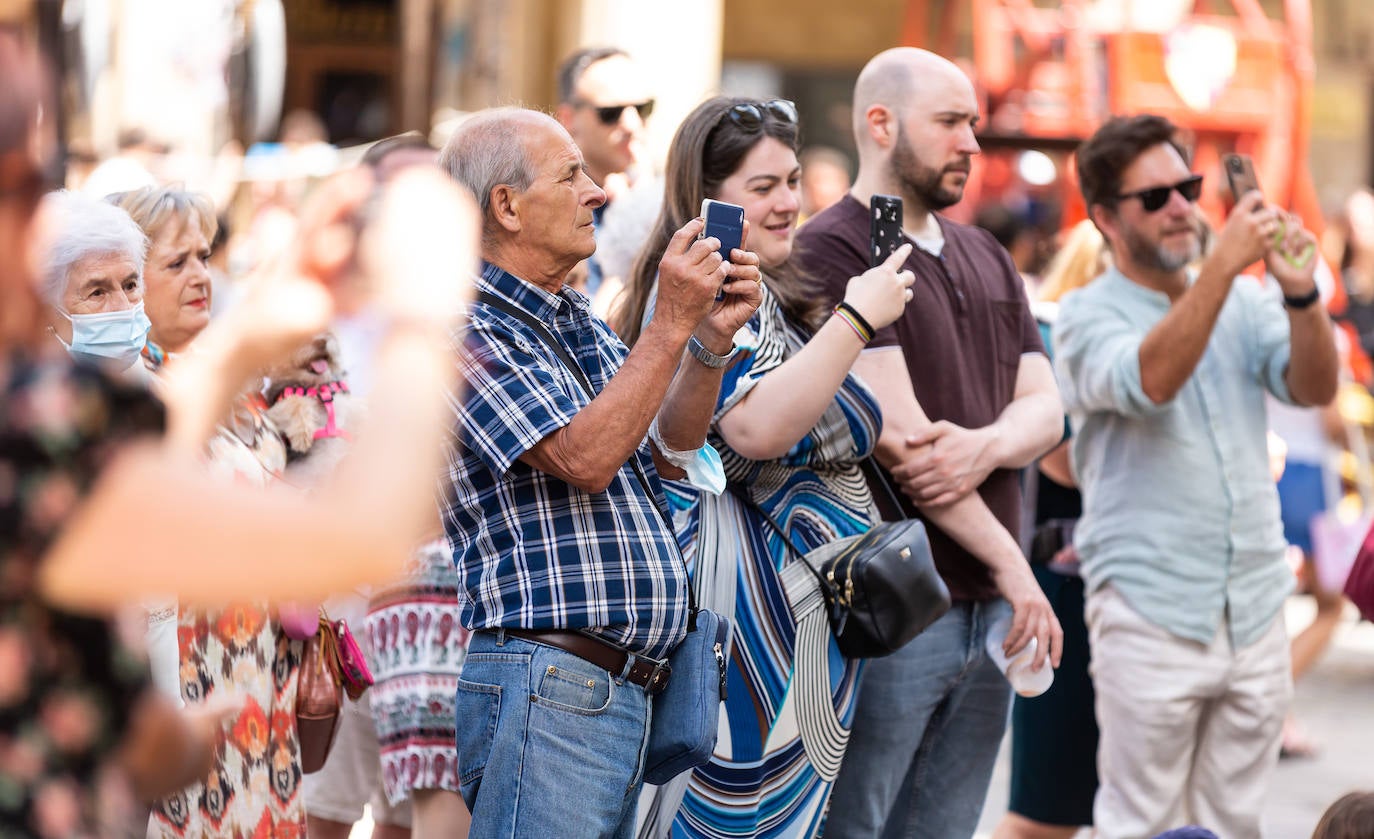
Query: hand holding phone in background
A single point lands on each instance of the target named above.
(1240, 176)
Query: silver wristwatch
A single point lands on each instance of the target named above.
(710, 359)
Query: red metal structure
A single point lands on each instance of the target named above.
(1236, 78)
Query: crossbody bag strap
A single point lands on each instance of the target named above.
(546, 335)
(889, 505)
(799, 555)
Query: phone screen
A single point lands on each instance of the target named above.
(885, 227)
(1240, 174)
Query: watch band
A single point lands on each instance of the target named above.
(1303, 301)
(705, 356)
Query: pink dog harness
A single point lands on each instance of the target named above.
(325, 393)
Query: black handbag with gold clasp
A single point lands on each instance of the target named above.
(880, 587)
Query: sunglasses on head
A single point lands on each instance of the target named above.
(610, 114)
(1154, 198)
(750, 116)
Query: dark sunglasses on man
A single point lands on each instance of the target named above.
(750, 116)
(1154, 198)
(610, 114)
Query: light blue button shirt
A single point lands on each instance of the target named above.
(1180, 513)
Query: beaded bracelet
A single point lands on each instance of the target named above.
(855, 321)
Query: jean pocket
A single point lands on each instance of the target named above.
(476, 710)
(577, 690)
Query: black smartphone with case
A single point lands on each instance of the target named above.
(885, 227)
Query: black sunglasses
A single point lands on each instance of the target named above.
(1154, 198)
(610, 114)
(750, 116)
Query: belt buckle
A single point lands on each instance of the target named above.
(658, 677)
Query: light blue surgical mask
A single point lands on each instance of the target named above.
(104, 337)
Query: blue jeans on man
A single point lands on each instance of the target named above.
(925, 736)
(548, 744)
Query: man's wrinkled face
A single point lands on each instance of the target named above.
(613, 87)
(556, 209)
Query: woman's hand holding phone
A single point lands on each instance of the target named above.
(881, 293)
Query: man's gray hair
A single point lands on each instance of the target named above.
(84, 226)
(486, 151)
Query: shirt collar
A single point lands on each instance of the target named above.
(539, 302)
(1136, 291)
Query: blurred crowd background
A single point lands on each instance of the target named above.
(252, 102)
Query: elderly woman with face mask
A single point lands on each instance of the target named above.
(93, 280)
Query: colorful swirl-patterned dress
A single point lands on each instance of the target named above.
(791, 693)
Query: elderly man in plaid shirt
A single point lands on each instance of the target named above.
(571, 575)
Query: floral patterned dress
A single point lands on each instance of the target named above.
(254, 786)
(418, 646)
(67, 682)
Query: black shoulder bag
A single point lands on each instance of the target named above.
(880, 587)
(685, 715)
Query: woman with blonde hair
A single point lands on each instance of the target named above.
(177, 293)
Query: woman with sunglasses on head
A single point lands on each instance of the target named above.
(792, 426)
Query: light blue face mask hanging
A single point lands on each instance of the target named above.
(106, 337)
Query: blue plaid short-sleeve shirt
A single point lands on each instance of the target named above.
(533, 551)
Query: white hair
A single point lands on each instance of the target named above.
(83, 227)
(486, 151)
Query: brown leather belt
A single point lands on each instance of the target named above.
(643, 671)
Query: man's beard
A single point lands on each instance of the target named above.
(1156, 257)
(922, 181)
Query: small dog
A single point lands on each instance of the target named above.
(309, 402)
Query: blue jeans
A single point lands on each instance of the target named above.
(548, 744)
(926, 730)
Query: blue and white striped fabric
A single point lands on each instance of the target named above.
(533, 551)
(791, 693)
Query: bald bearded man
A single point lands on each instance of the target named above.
(930, 717)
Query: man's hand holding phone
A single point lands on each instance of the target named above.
(739, 297)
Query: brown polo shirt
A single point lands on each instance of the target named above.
(963, 335)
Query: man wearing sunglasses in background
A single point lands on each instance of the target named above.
(603, 102)
(1164, 373)
(968, 397)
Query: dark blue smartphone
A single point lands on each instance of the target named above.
(726, 223)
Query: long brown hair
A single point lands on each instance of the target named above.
(707, 149)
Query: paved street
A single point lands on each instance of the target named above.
(1333, 703)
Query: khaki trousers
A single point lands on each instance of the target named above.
(1190, 732)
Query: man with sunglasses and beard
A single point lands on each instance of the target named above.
(604, 102)
(1164, 372)
(967, 398)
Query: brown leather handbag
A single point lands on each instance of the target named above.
(319, 696)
